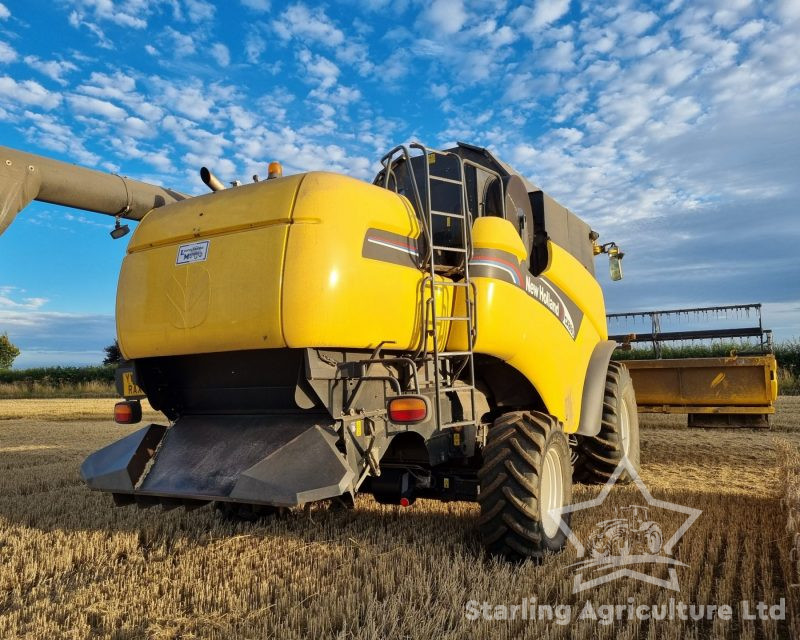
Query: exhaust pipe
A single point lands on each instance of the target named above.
(211, 181)
(25, 177)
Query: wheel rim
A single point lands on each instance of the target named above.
(625, 427)
(551, 498)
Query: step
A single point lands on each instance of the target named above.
(460, 423)
(461, 387)
(436, 212)
(451, 284)
(456, 318)
(450, 180)
(448, 354)
(454, 249)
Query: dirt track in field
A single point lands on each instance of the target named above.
(72, 565)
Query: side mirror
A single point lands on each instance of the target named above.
(615, 255)
(119, 230)
(615, 265)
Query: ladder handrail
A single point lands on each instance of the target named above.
(387, 162)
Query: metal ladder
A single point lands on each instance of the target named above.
(448, 366)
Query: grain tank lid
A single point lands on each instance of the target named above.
(247, 207)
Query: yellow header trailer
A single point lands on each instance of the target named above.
(731, 391)
(738, 391)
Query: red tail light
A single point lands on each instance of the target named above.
(408, 409)
(128, 412)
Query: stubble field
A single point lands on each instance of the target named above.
(73, 566)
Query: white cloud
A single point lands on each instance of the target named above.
(181, 44)
(546, 12)
(789, 10)
(312, 25)
(502, 36)
(4, 12)
(122, 88)
(137, 128)
(53, 69)
(341, 95)
(254, 46)
(82, 219)
(76, 20)
(128, 147)
(634, 23)
(53, 337)
(569, 135)
(125, 14)
(257, 5)
(221, 54)
(748, 30)
(241, 117)
(53, 134)
(559, 57)
(85, 105)
(199, 141)
(7, 53)
(199, 10)
(27, 92)
(7, 302)
(319, 68)
(191, 101)
(446, 16)
(782, 317)
(439, 90)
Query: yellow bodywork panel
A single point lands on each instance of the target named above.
(333, 296)
(545, 327)
(275, 264)
(204, 275)
(498, 233)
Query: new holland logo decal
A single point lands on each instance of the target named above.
(505, 266)
(547, 294)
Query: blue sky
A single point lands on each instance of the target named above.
(672, 127)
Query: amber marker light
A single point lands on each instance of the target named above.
(407, 409)
(128, 412)
(275, 170)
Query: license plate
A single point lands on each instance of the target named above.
(129, 388)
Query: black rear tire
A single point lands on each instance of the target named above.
(599, 456)
(526, 456)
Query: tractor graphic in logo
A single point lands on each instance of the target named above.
(631, 532)
(637, 543)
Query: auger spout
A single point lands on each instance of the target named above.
(25, 177)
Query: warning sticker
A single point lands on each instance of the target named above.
(194, 252)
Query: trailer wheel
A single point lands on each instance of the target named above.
(526, 474)
(598, 456)
(241, 512)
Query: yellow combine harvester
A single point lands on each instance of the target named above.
(438, 333)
